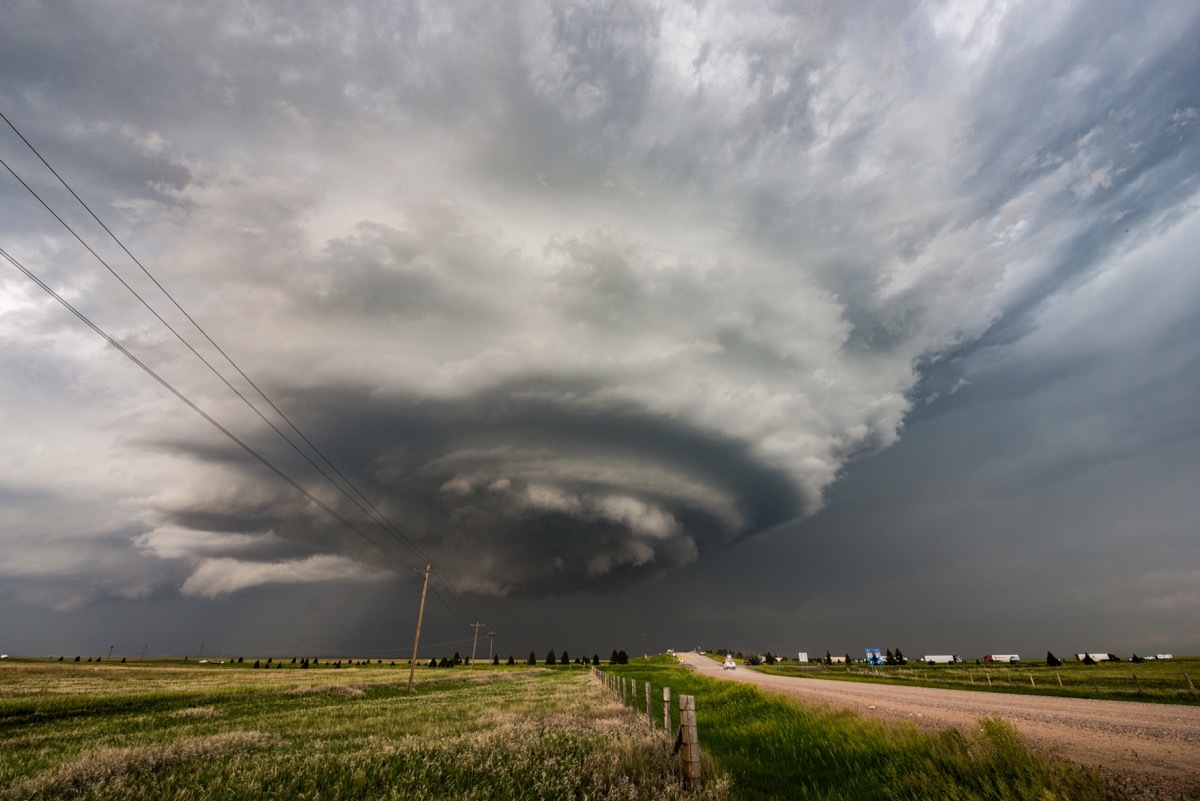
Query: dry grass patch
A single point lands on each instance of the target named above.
(109, 769)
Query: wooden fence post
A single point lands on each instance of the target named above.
(988, 674)
(667, 712)
(1031, 684)
(1137, 684)
(1189, 681)
(1060, 686)
(690, 741)
(649, 709)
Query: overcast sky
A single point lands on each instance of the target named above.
(789, 326)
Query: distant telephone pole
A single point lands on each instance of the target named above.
(491, 636)
(475, 641)
(412, 660)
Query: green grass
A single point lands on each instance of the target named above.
(774, 747)
(1155, 682)
(213, 732)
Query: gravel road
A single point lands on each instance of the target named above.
(1151, 749)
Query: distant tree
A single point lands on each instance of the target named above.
(888, 657)
(293, 660)
(511, 661)
(445, 662)
(900, 660)
(496, 659)
(612, 660)
(550, 657)
(457, 659)
(622, 658)
(1052, 660)
(848, 659)
(122, 660)
(828, 658)
(60, 659)
(257, 665)
(770, 660)
(433, 661)
(565, 659)
(596, 660)
(316, 661)
(1137, 660)
(268, 660)
(739, 655)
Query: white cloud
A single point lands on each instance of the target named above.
(216, 577)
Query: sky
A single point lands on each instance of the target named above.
(790, 326)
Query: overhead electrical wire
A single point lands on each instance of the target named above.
(371, 510)
(194, 407)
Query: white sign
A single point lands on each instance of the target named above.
(804, 656)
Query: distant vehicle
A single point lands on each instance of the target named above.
(942, 659)
(1002, 658)
(1098, 657)
(729, 663)
(1164, 656)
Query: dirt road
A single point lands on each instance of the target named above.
(1153, 749)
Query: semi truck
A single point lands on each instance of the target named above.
(942, 659)
(1098, 657)
(1002, 658)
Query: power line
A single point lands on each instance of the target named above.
(192, 405)
(381, 520)
(371, 510)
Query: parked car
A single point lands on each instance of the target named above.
(729, 663)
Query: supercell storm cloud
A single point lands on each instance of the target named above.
(576, 293)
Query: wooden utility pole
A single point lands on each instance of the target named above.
(412, 660)
(491, 636)
(475, 641)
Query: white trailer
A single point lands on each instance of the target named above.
(1002, 658)
(1097, 657)
(941, 659)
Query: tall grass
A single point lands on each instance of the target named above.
(201, 733)
(772, 746)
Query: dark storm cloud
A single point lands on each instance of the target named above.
(534, 487)
(586, 292)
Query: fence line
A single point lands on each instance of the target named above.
(686, 739)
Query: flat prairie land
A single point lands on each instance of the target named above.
(173, 731)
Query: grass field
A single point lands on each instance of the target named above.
(168, 731)
(1167, 681)
(774, 747)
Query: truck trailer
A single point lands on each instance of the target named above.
(942, 659)
(1002, 658)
